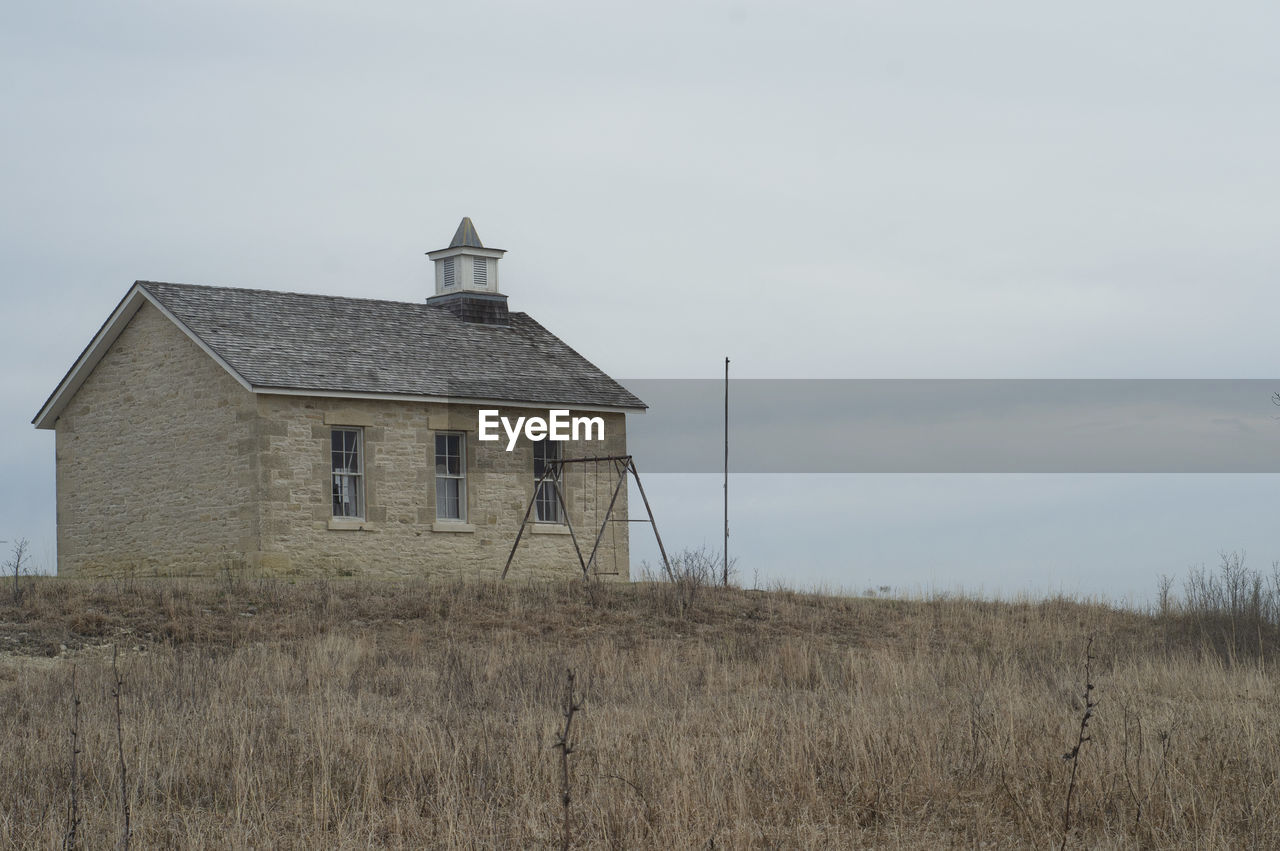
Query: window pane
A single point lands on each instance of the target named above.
(346, 496)
(548, 506)
(447, 455)
(346, 451)
(351, 443)
(448, 502)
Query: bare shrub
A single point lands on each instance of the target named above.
(1165, 598)
(692, 571)
(1235, 610)
(16, 563)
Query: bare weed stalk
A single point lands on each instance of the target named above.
(1073, 755)
(570, 708)
(69, 839)
(1134, 778)
(124, 777)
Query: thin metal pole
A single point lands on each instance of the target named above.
(631, 465)
(525, 522)
(555, 482)
(726, 472)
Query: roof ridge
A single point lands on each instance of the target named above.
(259, 290)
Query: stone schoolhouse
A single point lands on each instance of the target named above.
(290, 434)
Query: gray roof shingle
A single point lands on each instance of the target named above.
(279, 340)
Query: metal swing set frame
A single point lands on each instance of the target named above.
(552, 472)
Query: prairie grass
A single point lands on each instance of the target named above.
(349, 714)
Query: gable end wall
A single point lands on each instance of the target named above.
(155, 461)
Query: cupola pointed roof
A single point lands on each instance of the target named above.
(466, 236)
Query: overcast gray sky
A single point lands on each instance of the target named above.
(819, 190)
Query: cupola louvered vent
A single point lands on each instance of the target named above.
(481, 267)
(449, 279)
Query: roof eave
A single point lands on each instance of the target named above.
(455, 250)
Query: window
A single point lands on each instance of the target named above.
(347, 450)
(480, 266)
(546, 500)
(451, 476)
(448, 273)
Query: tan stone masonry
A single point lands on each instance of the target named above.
(167, 465)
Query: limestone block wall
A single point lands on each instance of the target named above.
(166, 465)
(399, 534)
(156, 468)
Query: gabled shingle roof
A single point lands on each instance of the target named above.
(279, 340)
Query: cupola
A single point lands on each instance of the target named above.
(467, 278)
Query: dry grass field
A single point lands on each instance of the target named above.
(352, 714)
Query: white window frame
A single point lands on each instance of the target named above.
(341, 470)
(546, 505)
(460, 477)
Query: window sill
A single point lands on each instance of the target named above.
(452, 526)
(350, 524)
(549, 529)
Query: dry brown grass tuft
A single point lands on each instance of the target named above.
(349, 714)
